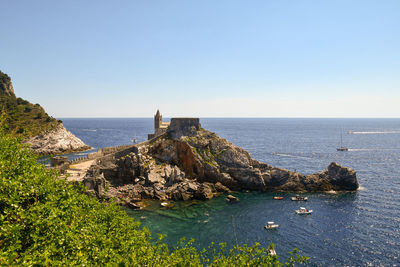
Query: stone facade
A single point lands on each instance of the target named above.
(176, 128)
(183, 127)
(160, 127)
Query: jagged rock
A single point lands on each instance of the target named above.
(222, 188)
(133, 205)
(56, 141)
(204, 192)
(181, 195)
(167, 171)
(191, 186)
(230, 198)
(95, 184)
(159, 192)
(154, 177)
(147, 192)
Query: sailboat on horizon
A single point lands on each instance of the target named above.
(342, 148)
(134, 139)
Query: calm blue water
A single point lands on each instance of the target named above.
(354, 229)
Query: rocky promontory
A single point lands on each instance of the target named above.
(56, 141)
(189, 162)
(45, 134)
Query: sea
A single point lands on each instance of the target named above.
(345, 229)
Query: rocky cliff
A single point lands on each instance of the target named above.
(30, 122)
(56, 141)
(190, 162)
(6, 87)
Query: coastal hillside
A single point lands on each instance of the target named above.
(46, 134)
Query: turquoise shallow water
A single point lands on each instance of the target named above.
(353, 229)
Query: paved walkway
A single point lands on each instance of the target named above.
(78, 171)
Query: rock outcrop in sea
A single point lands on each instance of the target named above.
(189, 162)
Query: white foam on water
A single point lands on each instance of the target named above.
(372, 149)
(361, 188)
(289, 155)
(375, 132)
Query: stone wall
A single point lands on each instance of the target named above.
(59, 160)
(183, 127)
(114, 149)
(95, 155)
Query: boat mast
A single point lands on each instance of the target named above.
(341, 138)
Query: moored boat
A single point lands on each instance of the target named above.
(278, 198)
(166, 204)
(299, 198)
(272, 251)
(303, 211)
(271, 225)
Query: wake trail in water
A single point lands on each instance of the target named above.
(374, 132)
(374, 149)
(289, 155)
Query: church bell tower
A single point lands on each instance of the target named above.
(157, 120)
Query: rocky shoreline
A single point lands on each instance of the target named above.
(188, 162)
(56, 141)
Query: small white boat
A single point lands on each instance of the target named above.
(303, 211)
(166, 204)
(272, 251)
(299, 198)
(271, 225)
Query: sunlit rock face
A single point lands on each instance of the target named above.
(189, 162)
(56, 141)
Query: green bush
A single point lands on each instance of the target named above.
(45, 220)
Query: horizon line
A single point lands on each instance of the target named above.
(231, 117)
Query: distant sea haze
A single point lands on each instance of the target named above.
(354, 229)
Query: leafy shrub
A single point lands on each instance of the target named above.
(45, 220)
(20, 113)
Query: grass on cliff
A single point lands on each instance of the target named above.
(47, 221)
(25, 119)
(22, 117)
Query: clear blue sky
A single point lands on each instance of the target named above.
(204, 58)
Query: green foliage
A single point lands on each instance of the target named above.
(4, 78)
(23, 118)
(22, 114)
(45, 220)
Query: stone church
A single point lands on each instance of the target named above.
(160, 127)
